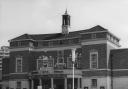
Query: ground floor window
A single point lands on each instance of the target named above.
(85, 87)
(18, 85)
(102, 87)
(94, 83)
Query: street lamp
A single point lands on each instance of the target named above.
(73, 62)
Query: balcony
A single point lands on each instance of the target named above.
(46, 71)
(60, 66)
(61, 42)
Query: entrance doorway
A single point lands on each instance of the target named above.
(58, 83)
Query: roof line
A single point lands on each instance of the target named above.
(21, 40)
(93, 32)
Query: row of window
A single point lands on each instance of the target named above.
(113, 39)
(45, 43)
(49, 61)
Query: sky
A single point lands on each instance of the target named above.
(18, 17)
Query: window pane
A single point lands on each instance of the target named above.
(39, 63)
(94, 82)
(50, 62)
(45, 62)
(69, 62)
(94, 59)
(60, 60)
(19, 64)
(19, 85)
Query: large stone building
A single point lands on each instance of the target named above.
(45, 60)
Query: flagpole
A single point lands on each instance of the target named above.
(73, 62)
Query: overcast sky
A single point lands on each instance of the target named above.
(44, 16)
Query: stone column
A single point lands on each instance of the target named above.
(52, 83)
(65, 83)
(78, 83)
(32, 84)
(40, 82)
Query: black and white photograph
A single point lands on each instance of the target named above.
(63, 44)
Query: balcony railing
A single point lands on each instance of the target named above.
(58, 42)
(45, 71)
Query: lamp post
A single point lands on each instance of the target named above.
(73, 61)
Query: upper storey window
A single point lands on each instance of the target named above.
(60, 55)
(69, 62)
(93, 36)
(21, 43)
(19, 64)
(77, 61)
(93, 59)
(44, 61)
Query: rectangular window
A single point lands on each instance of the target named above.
(94, 60)
(19, 64)
(94, 82)
(69, 62)
(60, 55)
(45, 62)
(18, 85)
(39, 63)
(51, 62)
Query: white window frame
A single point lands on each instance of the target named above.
(62, 56)
(94, 52)
(47, 62)
(58, 60)
(53, 62)
(67, 61)
(17, 87)
(37, 63)
(19, 58)
(96, 82)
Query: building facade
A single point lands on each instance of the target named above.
(44, 61)
(4, 52)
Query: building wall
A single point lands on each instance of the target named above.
(25, 55)
(24, 84)
(30, 58)
(120, 82)
(5, 84)
(89, 35)
(102, 51)
(101, 81)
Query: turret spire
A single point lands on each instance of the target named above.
(65, 22)
(66, 12)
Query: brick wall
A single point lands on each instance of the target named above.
(102, 57)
